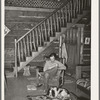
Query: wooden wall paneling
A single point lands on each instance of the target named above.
(9, 54)
(78, 44)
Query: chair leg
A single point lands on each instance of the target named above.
(37, 78)
(5, 83)
(62, 77)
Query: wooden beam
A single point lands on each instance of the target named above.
(29, 9)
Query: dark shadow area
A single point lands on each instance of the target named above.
(83, 98)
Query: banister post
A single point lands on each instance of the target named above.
(60, 47)
(16, 58)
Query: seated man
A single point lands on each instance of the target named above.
(50, 69)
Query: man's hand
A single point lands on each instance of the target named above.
(55, 65)
(39, 74)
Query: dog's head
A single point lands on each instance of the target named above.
(52, 92)
(60, 93)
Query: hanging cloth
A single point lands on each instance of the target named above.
(64, 52)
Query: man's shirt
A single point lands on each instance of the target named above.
(49, 65)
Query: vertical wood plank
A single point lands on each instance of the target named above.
(54, 20)
(24, 48)
(78, 44)
(68, 36)
(89, 3)
(66, 17)
(82, 44)
(40, 40)
(37, 39)
(71, 35)
(74, 35)
(45, 31)
(48, 21)
(77, 9)
(51, 26)
(30, 36)
(57, 20)
(33, 41)
(69, 14)
(60, 47)
(82, 4)
(19, 52)
(78, 72)
(42, 37)
(79, 4)
(28, 49)
(62, 17)
(16, 57)
(74, 9)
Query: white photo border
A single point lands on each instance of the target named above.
(94, 49)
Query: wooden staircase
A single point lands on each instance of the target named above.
(35, 41)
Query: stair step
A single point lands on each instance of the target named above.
(87, 35)
(56, 42)
(85, 63)
(46, 43)
(52, 38)
(56, 47)
(69, 24)
(28, 58)
(57, 34)
(63, 29)
(40, 48)
(86, 55)
(86, 48)
(86, 60)
(86, 51)
(34, 53)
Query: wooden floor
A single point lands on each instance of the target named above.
(17, 88)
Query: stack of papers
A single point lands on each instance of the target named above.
(31, 87)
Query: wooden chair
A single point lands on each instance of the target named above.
(57, 80)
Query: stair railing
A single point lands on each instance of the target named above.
(42, 32)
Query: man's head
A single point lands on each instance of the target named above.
(52, 56)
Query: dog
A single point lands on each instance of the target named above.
(58, 93)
